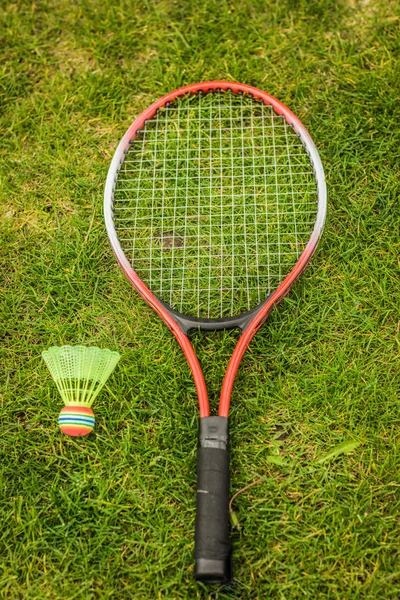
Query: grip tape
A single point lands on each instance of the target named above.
(213, 549)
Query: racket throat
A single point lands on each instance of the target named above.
(188, 323)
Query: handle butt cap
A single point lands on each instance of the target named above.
(213, 571)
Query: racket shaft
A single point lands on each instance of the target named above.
(212, 545)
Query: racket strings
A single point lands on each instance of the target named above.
(214, 203)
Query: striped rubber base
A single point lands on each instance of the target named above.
(76, 420)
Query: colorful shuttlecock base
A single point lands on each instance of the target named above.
(76, 420)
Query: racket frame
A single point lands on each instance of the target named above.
(251, 321)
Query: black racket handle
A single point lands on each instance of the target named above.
(213, 550)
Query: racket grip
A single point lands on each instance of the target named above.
(213, 551)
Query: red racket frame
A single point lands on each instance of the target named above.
(280, 292)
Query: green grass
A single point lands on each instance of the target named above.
(112, 516)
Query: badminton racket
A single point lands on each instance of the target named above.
(214, 204)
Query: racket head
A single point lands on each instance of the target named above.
(253, 138)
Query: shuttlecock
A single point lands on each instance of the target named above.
(79, 373)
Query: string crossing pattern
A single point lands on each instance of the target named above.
(214, 203)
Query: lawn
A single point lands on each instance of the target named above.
(112, 515)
